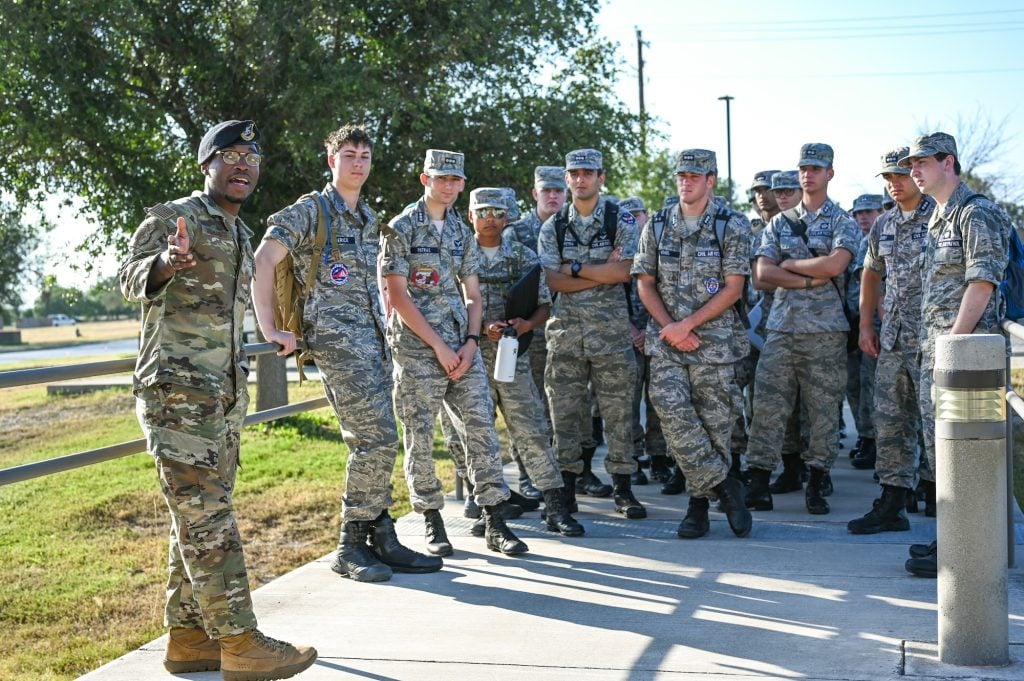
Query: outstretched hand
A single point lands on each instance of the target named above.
(178, 245)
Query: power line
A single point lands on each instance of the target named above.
(891, 74)
(789, 38)
(852, 19)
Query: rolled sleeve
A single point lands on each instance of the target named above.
(736, 249)
(646, 260)
(627, 237)
(394, 251)
(471, 261)
(846, 234)
(872, 261)
(769, 246)
(547, 246)
(985, 257)
(291, 227)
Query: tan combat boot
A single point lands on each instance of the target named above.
(252, 656)
(191, 650)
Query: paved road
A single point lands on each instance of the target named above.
(70, 352)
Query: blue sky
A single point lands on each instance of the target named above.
(863, 77)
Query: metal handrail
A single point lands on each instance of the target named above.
(37, 469)
(1014, 401)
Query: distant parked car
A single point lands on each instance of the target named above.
(62, 320)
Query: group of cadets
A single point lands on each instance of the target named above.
(734, 332)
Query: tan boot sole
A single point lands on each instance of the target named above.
(187, 666)
(269, 675)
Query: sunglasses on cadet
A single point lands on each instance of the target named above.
(490, 212)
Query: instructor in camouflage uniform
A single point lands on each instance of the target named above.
(690, 281)
(804, 253)
(894, 250)
(343, 326)
(588, 332)
(962, 264)
(431, 264)
(190, 264)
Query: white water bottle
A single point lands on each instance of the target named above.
(508, 350)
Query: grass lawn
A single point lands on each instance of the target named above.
(90, 332)
(83, 553)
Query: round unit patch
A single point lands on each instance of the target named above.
(339, 274)
(711, 285)
(424, 278)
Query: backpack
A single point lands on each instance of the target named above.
(721, 220)
(1011, 288)
(291, 294)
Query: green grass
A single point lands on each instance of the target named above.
(83, 553)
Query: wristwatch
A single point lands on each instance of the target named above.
(473, 337)
(575, 269)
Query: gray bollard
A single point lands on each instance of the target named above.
(970, 456)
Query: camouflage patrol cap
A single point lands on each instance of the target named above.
(549, 177)
(584, 159)
(929, 145)
(867, 202)
(816, 154)
(702, 161)
(786, 179)
(439, 162)
(511, 205)
(632, 204)
(891, 161)
(224, 135)
(487, 197)
(762, 179)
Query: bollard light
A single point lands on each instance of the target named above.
(970, 404)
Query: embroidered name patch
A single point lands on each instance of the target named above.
(951, 243)
(708, 253)
(424, 249)
(667, 253)
(346, 239)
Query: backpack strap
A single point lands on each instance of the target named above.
(721, 221)
(323, 231)
(561, 225)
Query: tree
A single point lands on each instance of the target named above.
(18, 241)
(648, 176)
(107, 100)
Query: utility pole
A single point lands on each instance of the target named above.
(728, 141)
(640, 73)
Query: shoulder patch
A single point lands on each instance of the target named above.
(162, 211)
(628, 218)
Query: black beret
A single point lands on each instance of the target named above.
(224, 135)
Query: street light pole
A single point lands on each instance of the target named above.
(728, 140)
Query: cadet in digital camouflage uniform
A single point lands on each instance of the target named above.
(894, 248)
(549, 192)
(587, 333)
(344, 327)
(190, 265)
(648, 438)
(860, 368)
(962, 264)
(806, 346)
(690, 280)
(431, 263)
(502, 263)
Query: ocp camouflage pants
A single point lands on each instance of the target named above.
(697, 404)
(612, 376)
(813, 364)
(421, 390)
(194, 438)
(897, 416)
(357, 383)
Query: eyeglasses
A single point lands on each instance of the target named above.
(490, 212)
(783, 192)
(232, 157)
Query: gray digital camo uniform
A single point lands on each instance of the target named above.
(860, 366)
(696, 393)
(344, 327)
(894, 251)
(806, 345)
(519, 401)
(433, 266)
(588, 338)
(648, 440)
(190, 385)
(973, 247)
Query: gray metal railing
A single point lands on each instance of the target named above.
(21, 377)
(1016, 404)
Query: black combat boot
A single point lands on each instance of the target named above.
(813, 498)
(789, 479)
(354, 558)
(556, 513)
(437, 538)
(470, 509)
(826, 485)
(886, 516)
(696, 523)
(931, 508)
(736, 467)
(639, 477)
(587, 482)
(660, 468)
(855, 449)
(497, 535)
(526, 487)
(525, 503)
(384, 542)
(865, 459)
(598, 425)
(676, 482)
(924, 550)
(759, 494)
(730, 494)
(625, 502)
(927, 567)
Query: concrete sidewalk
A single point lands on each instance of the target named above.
(798, 599)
